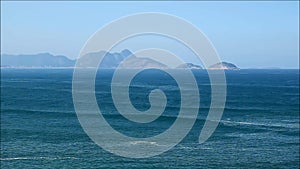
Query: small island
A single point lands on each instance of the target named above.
(223, 66)
(189, 66)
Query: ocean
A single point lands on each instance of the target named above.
(259, 127)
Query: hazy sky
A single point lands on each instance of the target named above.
(249, 34)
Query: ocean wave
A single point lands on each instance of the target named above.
(35, 158)
(145, 142)
(261, 85)
(38, 111)
(194, 147)
(279, 125)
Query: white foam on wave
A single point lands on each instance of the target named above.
(144, 142)
(195, 147)
(35, 158)
(261, 124)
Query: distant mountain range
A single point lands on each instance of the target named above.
(110, 61)
(37, 60)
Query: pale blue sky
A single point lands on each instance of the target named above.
(249, 34)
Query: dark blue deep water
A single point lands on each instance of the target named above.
(259, 127)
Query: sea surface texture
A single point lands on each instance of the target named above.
(259, 127)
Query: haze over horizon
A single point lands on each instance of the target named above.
(248, 34)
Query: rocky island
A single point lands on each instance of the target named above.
(223, 66)
(189, 66)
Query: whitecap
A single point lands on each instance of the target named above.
(144, 142)
(35, 158)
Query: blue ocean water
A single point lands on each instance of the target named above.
(259, 127)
